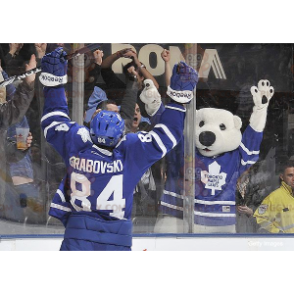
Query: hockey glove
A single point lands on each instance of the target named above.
(183, 81)
(150, 97)
(54, 68)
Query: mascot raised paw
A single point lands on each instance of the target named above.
(261, 97)
(222, 154)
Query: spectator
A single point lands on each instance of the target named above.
(98, 101)
(10, 113)
(17, 56)
(22, 176)
(133, 71)
(276, 212)
(249, 195)
(14, 49)
(129, 109)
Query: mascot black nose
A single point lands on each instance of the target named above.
(207, 138)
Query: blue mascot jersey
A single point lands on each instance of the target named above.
(215, 181)
(100, 183)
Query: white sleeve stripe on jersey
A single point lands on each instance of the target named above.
(159, 142)
(247, 150)
(61, 195)
(54, 113)
(168, 133)
(60, 207)
(50, 126)
(175, 108)
(248, 162)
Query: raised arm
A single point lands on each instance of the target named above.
(252, 137)
(109, 60)
(129, 53)
(58, 128)
(169, 131)
(141, 68)
(165, 54)
(262, 95)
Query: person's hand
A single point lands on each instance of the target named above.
(245, 209)
(29, 140)
(41, 49)
(165, 54)
(131, 70)
(98, 55)
(130, 54)
(32, 64)
(14, 48)
(125, 53)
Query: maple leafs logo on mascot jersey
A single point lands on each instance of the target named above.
(214, 179)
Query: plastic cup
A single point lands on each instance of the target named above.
(21, 138)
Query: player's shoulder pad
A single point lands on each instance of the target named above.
(76, 130)
(84, 133)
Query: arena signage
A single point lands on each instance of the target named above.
(203, 60)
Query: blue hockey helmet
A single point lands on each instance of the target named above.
(106, 128)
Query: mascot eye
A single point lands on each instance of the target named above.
(222, 127)
(201, 124)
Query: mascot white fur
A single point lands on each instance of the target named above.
(222, 155)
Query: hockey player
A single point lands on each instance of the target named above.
(103, 165)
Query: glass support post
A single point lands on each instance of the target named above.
(78, 87)
(189, 149)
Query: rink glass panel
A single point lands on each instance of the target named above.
(226, 74)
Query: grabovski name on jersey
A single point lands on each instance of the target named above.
(95, 166)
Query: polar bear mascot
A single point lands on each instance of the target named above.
(223, 153)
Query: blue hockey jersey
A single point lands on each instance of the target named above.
(215, 181)
(100, 183)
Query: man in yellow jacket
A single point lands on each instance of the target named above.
(276, 212)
